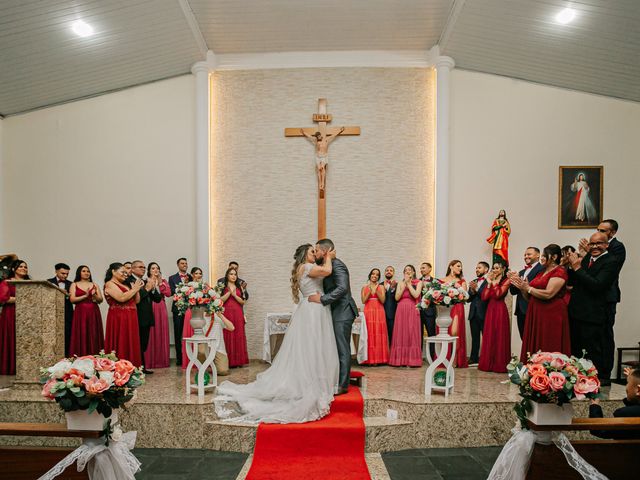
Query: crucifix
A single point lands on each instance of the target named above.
(321, 136)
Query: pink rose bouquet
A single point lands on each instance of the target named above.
(94, 382)
(552, 378)
(198, 294)
(437, 292)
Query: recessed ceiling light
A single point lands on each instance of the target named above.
(566, 16)
(81, 28)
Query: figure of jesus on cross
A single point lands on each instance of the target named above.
(321, 138)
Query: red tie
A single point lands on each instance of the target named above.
(591, 262)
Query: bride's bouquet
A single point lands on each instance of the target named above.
(437, 292)
(198, 294)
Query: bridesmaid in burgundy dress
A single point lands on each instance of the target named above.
(122, 334)
(157, 354)
(373, 297)
(457, 328)
(406, 341)
(87, 336)
(19, 271)
(236, 340)
(496, 335)
(546, 326)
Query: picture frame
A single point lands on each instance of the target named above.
(580, 196)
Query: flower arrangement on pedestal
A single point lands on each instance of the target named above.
(442, 294)
(552, 378)
(93, 383)
(199, 297)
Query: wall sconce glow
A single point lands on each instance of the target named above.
(566, 16)
(82, 28)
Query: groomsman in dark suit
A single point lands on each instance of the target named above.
(616, 249)
(429, 314)
(178, 318)
(477, 310)
(60, 280)
(531, 269)
(148, 295)
(390, 302)
(592, 278)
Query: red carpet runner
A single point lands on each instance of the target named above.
(328, 449)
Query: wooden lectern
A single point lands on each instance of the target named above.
(39, 328)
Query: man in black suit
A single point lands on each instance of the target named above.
(631, 409)
(428, 315)
(148, 294)
(390, 302)
(591, 278)
(477, 311)
(60, 280)
(178, 318)
(241, 283)
(616, 248)
(337, 293)
(531, 269)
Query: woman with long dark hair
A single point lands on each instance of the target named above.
(122, 334)
(233, 301)
(406, 341)
(546, 326)
(458, 329)
(87, 337)
(157, 354)
(19, 270)
(373, 296)
(496, 335)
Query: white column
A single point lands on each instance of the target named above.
(443, 66)
(201, 71)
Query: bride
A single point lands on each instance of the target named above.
(300, 384)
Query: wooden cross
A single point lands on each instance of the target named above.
(321, 137)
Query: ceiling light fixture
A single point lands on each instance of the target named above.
(566, 16)
(81, 28)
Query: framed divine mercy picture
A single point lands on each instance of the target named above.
(580, 197)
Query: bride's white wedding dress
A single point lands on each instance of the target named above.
(300, 384)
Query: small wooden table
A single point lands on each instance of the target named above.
(192, 344)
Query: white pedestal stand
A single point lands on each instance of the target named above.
(192, 344)
(443, 341)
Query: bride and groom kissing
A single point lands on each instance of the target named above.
(314, 361)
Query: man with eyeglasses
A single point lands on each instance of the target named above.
(148, 294)
(592, 277)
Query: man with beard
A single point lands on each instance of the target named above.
(429, 314)
(477, 311)
(390, 302)
(60, 280)
(148, 294)
(531, 269)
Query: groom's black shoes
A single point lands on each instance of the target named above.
(342, 391)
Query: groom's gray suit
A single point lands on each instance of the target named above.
(343, 312)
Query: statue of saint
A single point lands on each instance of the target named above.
(499, 238)
(322, 153)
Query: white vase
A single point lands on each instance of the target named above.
(443, 321)
(198, 321)
(81, 420)
(551, 414)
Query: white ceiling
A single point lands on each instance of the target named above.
(137, 41)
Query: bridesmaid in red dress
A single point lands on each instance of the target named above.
(19, 271)
(87, 336)
(236, 340)
(546, 326)
(373, 297)
(187, 330)
(406, 341)
(157, 354)
(122, 334)
(496, 335)
(457, 328)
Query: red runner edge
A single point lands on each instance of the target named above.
(329, 448)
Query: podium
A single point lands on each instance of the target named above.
(39, 328)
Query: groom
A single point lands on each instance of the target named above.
(337, 293)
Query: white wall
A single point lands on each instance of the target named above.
(508, 138)
(105, 179)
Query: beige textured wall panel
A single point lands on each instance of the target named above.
(379, 185)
